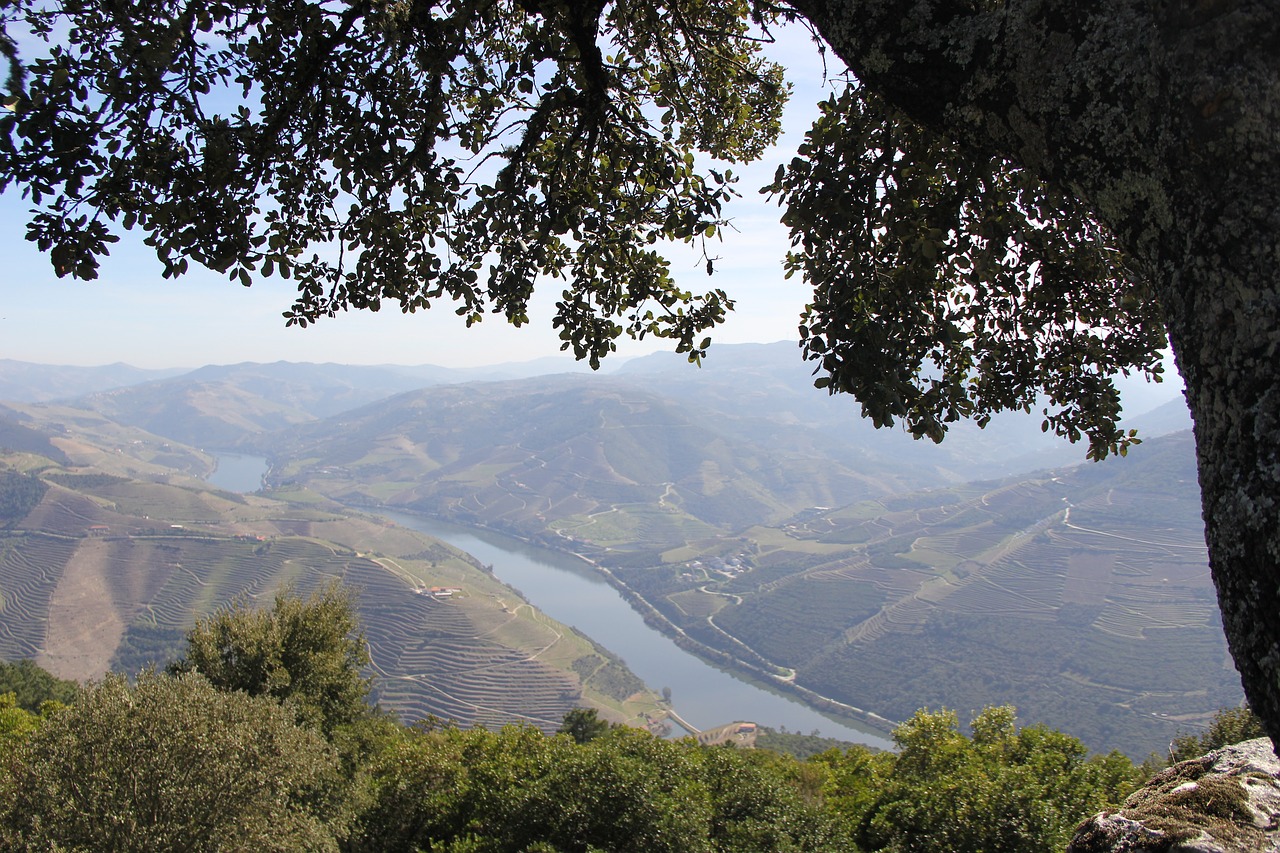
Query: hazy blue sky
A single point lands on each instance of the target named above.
(130, 314)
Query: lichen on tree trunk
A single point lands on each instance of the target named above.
(1164, 118)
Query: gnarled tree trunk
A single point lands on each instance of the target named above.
(1164, 115)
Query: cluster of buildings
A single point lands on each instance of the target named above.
(439, 591)
(729, 567)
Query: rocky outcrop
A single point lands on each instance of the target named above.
(1226, 801)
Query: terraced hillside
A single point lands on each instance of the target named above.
(107, 572)
(1082, 596)
(78, 438)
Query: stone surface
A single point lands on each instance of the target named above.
(1226, 801)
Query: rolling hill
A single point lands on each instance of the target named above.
(26, 382)
(606, 461)
(103, 571)
(226, 406)
(1081, 595)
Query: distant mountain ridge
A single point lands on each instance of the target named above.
(223, 406)
(25, 382)
(762, 392)
(529, 455)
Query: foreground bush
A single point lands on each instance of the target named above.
(1003, 789)
(170, 764)
(517, 790)
(262, 739)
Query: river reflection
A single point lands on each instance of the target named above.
(570, 591)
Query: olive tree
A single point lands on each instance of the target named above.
(306, 653)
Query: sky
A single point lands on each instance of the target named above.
(131, 314)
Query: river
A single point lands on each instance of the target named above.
(569, 590)
(237, 472)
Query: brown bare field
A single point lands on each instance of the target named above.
(85, 626)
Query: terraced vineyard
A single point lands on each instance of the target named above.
(1080, 596)
(96, 576)
(432, 661)
(30, 565)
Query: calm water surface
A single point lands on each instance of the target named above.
(570, 591)
(239, 473)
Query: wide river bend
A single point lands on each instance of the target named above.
(567, 589)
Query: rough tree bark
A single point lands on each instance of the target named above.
(1164, 115)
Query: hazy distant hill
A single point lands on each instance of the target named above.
(765, 392)
(33, 383)
(226, 406)
(15, 437)
(81, 437)
(656, 454)
(759, 392)
(1172, 416)
(1080, 595)
(544, 455)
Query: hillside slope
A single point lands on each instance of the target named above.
(599, 460)
(107, 572)
(1081, 595)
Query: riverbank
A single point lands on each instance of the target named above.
(846, 721)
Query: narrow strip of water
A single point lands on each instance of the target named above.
(569, 590)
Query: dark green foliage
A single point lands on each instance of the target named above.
(178, 763)
(975, 287)
(86, 482)
(19, 494)
(170, 764)
(1229, 725)
(305, 653)
(583, 725)
(626, 790)
(433, 142)
(32, 686)
(1004, 789)
(16, 724)
(146, 645)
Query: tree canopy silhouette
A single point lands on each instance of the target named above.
(1011, 199)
